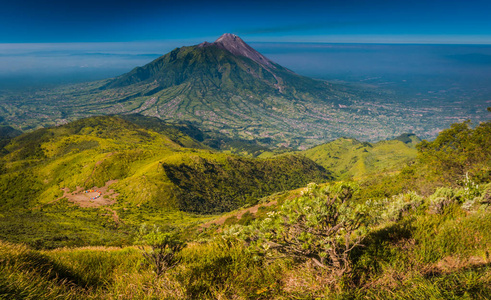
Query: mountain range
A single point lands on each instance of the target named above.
(145, 169)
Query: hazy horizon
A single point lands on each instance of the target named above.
(55, 42)
(48, 64)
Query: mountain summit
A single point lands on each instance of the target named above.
(238, 47)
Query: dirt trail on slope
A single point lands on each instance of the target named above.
(253, 210)
(114, 214)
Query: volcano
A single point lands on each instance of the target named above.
(228, 65)
(228, 88)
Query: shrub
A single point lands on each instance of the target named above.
(165, 248)
(322, 226)
(458, 151)
(246, 218)
(476, 198)
(441, 199)
(231, 220)
(400, 205)
(469, 190)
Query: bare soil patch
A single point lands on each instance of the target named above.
(103, 196)
(451, 264)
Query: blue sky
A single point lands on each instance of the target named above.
(188, 22)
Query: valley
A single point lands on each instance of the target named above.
(147, 172)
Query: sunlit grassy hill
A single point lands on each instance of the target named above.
(49, 177)
(349, 158)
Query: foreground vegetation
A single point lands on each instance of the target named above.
(409, 254)
(424, 232)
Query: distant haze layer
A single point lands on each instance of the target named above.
(407, 68)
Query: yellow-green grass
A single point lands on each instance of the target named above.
(349, 158)
(423, 255)
(41, 166)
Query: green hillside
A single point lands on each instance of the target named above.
(422, 233)
(6, 134)
(349, 158)
(139, 173)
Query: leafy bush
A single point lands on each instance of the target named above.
(165, 248)
(322, 226)
(231, 220)
(246, 218)
(476, 196)
(441, 199)
(400, 205)
(457, 152)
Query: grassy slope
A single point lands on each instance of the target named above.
(93, 151)
(420, 256)
(349, 158)
(414, 253)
